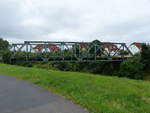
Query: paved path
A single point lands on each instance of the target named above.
(18, 96)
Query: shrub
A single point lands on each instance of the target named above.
(145, 56)
(4, 51)
(44, 65)
(132, 68)
(6, 56)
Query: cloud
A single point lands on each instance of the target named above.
(75, 20)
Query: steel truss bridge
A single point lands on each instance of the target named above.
(69, 51)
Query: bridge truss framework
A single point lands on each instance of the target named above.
(69, 51)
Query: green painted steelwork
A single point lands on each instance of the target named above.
(69, 51)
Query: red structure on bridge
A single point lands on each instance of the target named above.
(110, 47)
(51, 47)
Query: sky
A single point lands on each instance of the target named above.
(75, 20)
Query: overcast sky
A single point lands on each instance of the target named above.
(75, 20)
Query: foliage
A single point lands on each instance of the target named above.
(145, 56)
(123, 52)
(6, 56)
(107, 68)
(94, 46)
(4, 51)
(132, 67)
(44, 65)
(3, 45)
(68, 66)
(99, 94)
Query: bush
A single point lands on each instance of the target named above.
(6, 56)
(132, 68)
(44, 65)
(4, 51)
(4, 44)
(145, 56)
(67, 66)
(106, 68)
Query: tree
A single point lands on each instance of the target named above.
(145, 56)
(123, 52)
(4, 45)
(132, 67)
(4, 51)
(94, 45)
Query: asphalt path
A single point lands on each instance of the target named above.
(18, 96)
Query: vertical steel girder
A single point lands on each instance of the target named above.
(69, 51)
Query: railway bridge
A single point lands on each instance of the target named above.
(69, 51)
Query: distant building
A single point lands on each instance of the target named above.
(135, 47)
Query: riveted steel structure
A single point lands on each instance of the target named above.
(69, 51)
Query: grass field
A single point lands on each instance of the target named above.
(98, 94)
